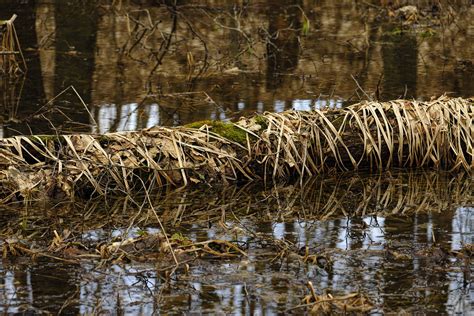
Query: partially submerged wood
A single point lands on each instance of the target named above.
(375, 135)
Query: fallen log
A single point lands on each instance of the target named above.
(369, 135)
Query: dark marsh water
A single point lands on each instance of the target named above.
(399, 238)
(224, 60)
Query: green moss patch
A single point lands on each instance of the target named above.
(262, 121)
(226, 130)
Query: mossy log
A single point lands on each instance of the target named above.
(270, 146)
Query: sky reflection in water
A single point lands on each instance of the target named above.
(363, 252)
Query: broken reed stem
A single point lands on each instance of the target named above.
(150, 203)
(63, 92)
(369, 135)
(10, 47)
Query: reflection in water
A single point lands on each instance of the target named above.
(462, 225)
(129, 117)
(397, 238)
(283, 47)
(399, 82)
(246, 58)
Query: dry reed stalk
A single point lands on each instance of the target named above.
(10, 48)
(375, 135)
(327, 303)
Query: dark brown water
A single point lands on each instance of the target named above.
(399, 239)
(225, 60)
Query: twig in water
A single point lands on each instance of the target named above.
(77, 94)
(358, 85)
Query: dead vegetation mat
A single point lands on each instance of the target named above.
(369, 135)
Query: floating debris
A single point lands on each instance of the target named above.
(328, 303)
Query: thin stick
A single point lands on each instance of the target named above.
(18, 41)
(161, 224)
(61, 93)
(358, 85)
(84, 104)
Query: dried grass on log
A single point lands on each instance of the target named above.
(375, 135)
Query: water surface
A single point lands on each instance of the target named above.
(224, 60)
(400, 239)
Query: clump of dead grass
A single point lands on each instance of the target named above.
(326, 304)
(378, 135)
(368, 135)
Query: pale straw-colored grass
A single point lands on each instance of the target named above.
(368, 135)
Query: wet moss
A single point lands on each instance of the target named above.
(200, 124)
(226, 130)
(262, 121)
(48, 140)
(103, 139)
(44, 138)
